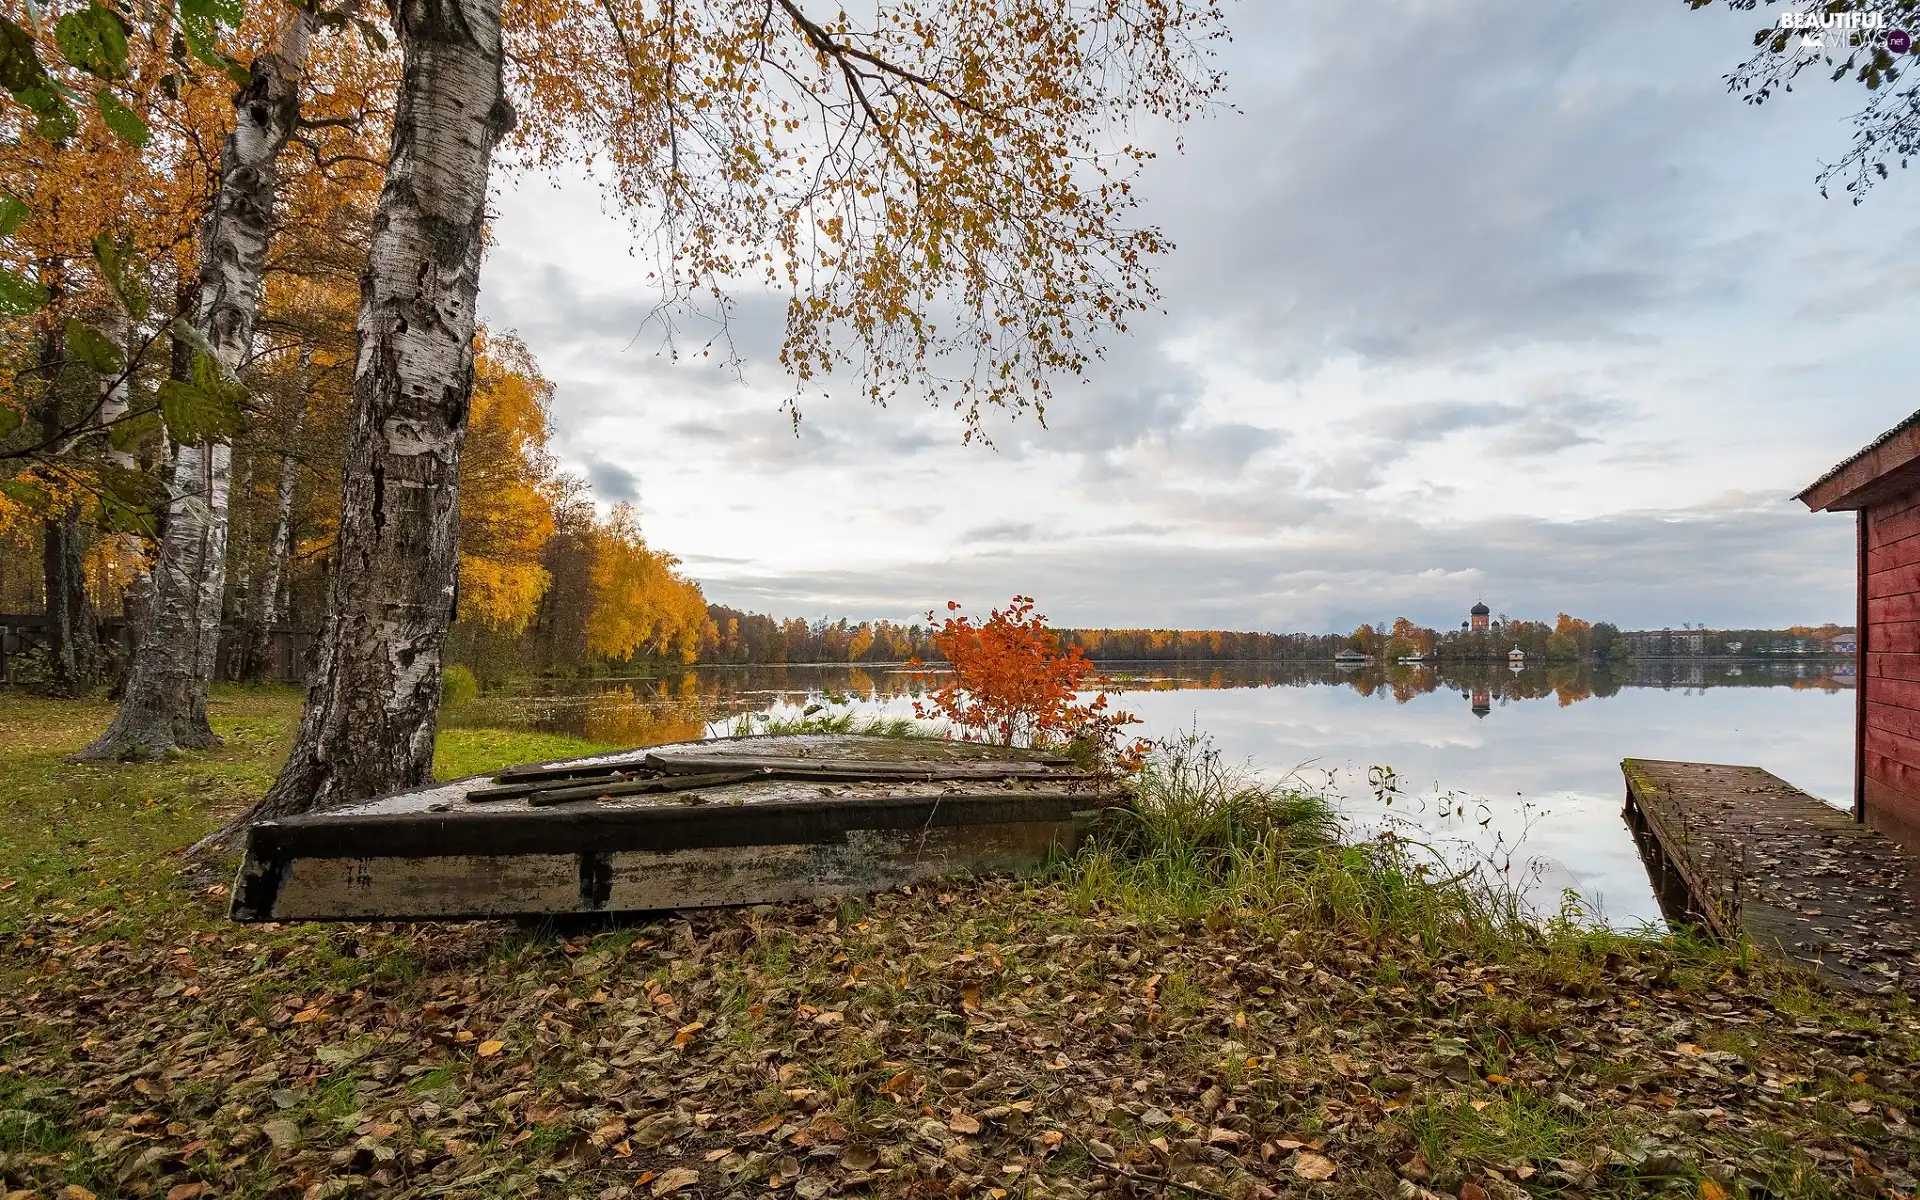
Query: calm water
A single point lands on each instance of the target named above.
(1520, 768)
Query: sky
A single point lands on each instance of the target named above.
(1501, 300)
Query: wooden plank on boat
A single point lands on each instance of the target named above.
(699, 824)
(1756, 857)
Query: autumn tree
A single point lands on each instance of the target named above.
(1407, 638)
(74, 313)
(943, 193)
(641, 603)
(1852, 43)
(1010, 681)
(506, 493)
(1569, 639)
(164, 703)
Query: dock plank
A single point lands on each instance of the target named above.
(1763, 860)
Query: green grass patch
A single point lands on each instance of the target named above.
(459, 753)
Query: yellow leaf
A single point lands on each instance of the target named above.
(970, 996)
(687, 1031)
(1313, 1166)
(674, 1179)
(1713, 1189)
(490, 1048)
(898, 1084)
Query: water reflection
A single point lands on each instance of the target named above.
(1520, 765)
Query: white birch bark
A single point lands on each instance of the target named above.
(165, 702)
(113, 390)
(373, 700)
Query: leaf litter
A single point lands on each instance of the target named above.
(997, 1039)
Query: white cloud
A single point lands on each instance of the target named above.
(1487, 298)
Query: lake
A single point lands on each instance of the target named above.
(1482, 762)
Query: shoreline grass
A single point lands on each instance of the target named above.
(1215, 997)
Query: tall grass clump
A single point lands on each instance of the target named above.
(844, 720)
(1202, 836)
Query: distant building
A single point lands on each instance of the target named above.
(1516, 658)
(1477, 616)
(1349, 658)
(1881, 484)
(1843, 645)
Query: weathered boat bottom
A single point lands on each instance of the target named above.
(472, 886)
(465, 851)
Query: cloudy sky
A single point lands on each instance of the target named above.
(1472, 298)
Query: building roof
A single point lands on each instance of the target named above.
(1887, 465)
(1481, 609)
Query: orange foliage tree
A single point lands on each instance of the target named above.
(1014, 684)
(640, 602)
(506, 487)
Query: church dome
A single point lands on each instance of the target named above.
(1479, 610)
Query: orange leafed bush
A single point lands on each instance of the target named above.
(1012, 683)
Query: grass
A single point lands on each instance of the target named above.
(77, 831)
(1210, 989)
(829, 720)
(1208, 837)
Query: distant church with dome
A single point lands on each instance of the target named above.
(1477, 617)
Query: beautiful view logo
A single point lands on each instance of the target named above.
(1839, 30)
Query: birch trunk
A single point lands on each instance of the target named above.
(374, 697)
(266, 598)
(164, 707)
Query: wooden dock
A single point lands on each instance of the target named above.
(1747, 854)
(721, 822)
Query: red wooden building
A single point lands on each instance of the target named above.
(1882, 485)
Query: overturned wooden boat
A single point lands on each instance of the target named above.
(749, 820)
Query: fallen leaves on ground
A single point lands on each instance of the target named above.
(1003, 1042)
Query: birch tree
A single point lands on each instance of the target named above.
(374, 691)
(943, 193)
(164, 707)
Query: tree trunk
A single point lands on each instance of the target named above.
(73, 636)
(164, 707)
(126, 546)
(374, 697)
(266, 599)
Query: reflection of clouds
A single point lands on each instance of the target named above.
(1545, 778)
